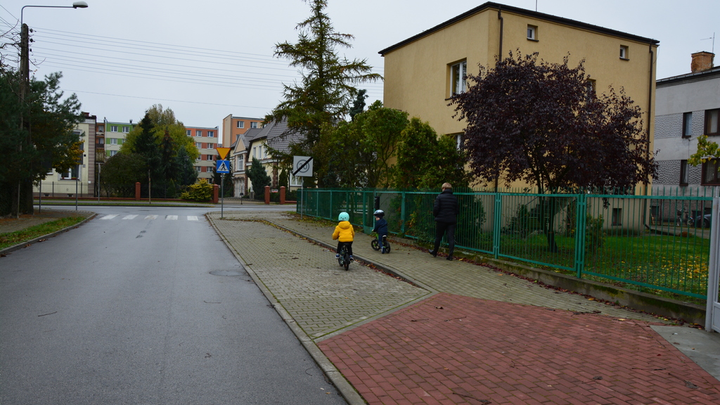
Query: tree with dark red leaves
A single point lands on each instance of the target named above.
(543, 123)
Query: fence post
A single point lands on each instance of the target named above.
(402, 213)
(282, 194)
(580, 228)
(137, 191)
(497, 225)
(267, 194)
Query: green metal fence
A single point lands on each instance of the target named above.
(659, 242)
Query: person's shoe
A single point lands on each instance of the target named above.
(337, 256)
(352, 258)
(433, 253)
(382, 250)
(449, 258)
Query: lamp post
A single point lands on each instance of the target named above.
(25, 78)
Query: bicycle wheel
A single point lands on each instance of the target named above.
(387, 247)
(375, 245)
(346, 259)
(341, 258)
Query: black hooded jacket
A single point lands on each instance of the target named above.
(446, 207)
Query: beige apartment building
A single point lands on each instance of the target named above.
(206, 141)
(233, 127)
(424, 71)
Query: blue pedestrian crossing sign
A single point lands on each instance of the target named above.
(223, 166)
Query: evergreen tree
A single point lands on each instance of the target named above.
(259, 178)
(326, 88)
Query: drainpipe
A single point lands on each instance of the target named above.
(500, 51)
(650, 118)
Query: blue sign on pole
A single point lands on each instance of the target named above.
(223, 166)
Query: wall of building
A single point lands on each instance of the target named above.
(417, 73)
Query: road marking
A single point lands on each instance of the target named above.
(151, 217)
(109, 216)
(171, 217)
(192, 218)
(129, 216)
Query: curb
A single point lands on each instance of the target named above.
(331, 372)
(25, 244)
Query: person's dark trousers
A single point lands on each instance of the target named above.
(440, 229)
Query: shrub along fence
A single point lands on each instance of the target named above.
(659, 242)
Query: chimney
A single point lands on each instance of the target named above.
(701, 61)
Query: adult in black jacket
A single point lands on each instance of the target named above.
(445, 211)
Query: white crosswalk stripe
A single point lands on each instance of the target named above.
(130, 217)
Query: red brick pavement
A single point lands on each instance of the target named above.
(452, 349)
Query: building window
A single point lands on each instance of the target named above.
(241, 124)
(113, 128)
(624, 52)
(211, 134)
(532, 31)
(101, 141)
(591, 89)
(188, 132)
(112, 141)
(198, 145)
(687, 125)
(126, 130)
(112, 153)
(683, 173)
(458, 71)
(617, 217)
(71, 174)
(253, 125)
(198, 132)
(711, 122)
(710, 173)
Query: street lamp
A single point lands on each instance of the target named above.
(25, 72)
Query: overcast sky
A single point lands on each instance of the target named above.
(208, 59)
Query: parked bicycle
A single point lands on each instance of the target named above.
(385, 244)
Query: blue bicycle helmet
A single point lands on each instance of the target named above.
(379, 213)
(343, 216)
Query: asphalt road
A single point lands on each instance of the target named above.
(145, 306)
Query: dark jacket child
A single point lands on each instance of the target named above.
(381, 228)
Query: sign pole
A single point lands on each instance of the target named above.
(222, 194)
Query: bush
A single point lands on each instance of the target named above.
(201, 191)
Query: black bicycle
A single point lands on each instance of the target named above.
(344, 257)
(385, 244)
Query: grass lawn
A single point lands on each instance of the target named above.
(18, 237)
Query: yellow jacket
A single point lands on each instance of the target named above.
(344, 232)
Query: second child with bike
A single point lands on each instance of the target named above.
(381, 227)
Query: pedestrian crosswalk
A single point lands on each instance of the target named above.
(109, 217)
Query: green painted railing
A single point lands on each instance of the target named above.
(658, 242)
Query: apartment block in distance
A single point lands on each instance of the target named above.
(80, 179)
(232, 127)
(115, 134)
(206, 141)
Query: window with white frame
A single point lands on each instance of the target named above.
(211, 134)
(532, 31)
(624, 52)
(113, 128)
(241, 124)
(198, 145)
(458, 71)
(198, 132)
(188, 132)
(253, 125)
(295, 181)
(70, 174)
(112, 153)
(126, 130)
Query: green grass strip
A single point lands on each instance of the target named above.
(18, 237)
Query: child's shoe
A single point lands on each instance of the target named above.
(352, 258)
(337, 255)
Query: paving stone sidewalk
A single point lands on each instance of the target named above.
(465, 333)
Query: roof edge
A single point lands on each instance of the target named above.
(491, 5)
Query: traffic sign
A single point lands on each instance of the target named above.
(302, 166)
(223, 166)
(222, 152)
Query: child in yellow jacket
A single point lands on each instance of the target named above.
(344, 233)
